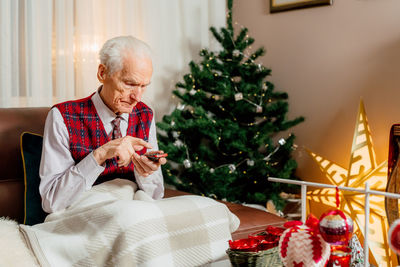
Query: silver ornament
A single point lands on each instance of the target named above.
(178, 143)
(260, 67)
(180, 106)
(238, 96)
(265, 87)
(175, 134)
(236, 53)
(250, 162)
(232, 167)
(217, 73)
(172, 123)
(187, 163)
(259, 109)
(236, 79)
(282, 141)
(212, 170)
(192, 92)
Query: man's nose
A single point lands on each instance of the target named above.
(137, 94)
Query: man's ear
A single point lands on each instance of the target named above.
(101, 73)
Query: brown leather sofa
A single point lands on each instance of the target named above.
(14, 121)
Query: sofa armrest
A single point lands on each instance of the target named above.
(12, 199)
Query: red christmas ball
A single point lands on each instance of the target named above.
(394, 236)
(335, 227)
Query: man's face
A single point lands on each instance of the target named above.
(123, 89)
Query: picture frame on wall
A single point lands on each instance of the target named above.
(283, 5)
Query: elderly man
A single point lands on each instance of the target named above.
(98, 219)
(103, 136)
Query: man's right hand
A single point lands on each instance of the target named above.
(122, 148)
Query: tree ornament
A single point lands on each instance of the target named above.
(187, 163)
(178, 143)
(336, 228)
(217, 73)
(238, 96)
(340, 256)
(301, 245)
(232, 167)
(209, 114)
(394, 236)
(212, 170)
(172, 123)
(175, 134)
(250, 162)
(192, 92)
(265, 87)
(236, 79)
(282, 141)
(180, 106)
(357, 252)
(259, 109)
(236, 53)
(260, 67)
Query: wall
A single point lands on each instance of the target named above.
(327, 58)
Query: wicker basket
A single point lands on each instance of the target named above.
(263, 258)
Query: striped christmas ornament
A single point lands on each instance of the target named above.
(302, 246)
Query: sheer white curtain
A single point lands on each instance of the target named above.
(49, 48)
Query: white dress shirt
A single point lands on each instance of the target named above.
(62, 181)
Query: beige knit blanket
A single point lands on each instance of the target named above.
(112, 225)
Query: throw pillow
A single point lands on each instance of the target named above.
(31, 151)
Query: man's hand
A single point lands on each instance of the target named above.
(122, 148)
(144, 166)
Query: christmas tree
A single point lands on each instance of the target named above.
(223, 138)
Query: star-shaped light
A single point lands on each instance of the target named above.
(362, 168)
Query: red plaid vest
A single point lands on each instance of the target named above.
(86, 133)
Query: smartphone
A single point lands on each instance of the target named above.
(155, 155)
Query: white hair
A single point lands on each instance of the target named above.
(114, 50)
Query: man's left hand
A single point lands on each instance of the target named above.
(144, 166)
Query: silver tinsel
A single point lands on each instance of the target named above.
(187, 163)
(238, 96)
(281, 142)
(232, 167)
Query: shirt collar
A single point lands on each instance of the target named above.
(106, 115)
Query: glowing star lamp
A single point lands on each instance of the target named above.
(362, 168)
(394, 233)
